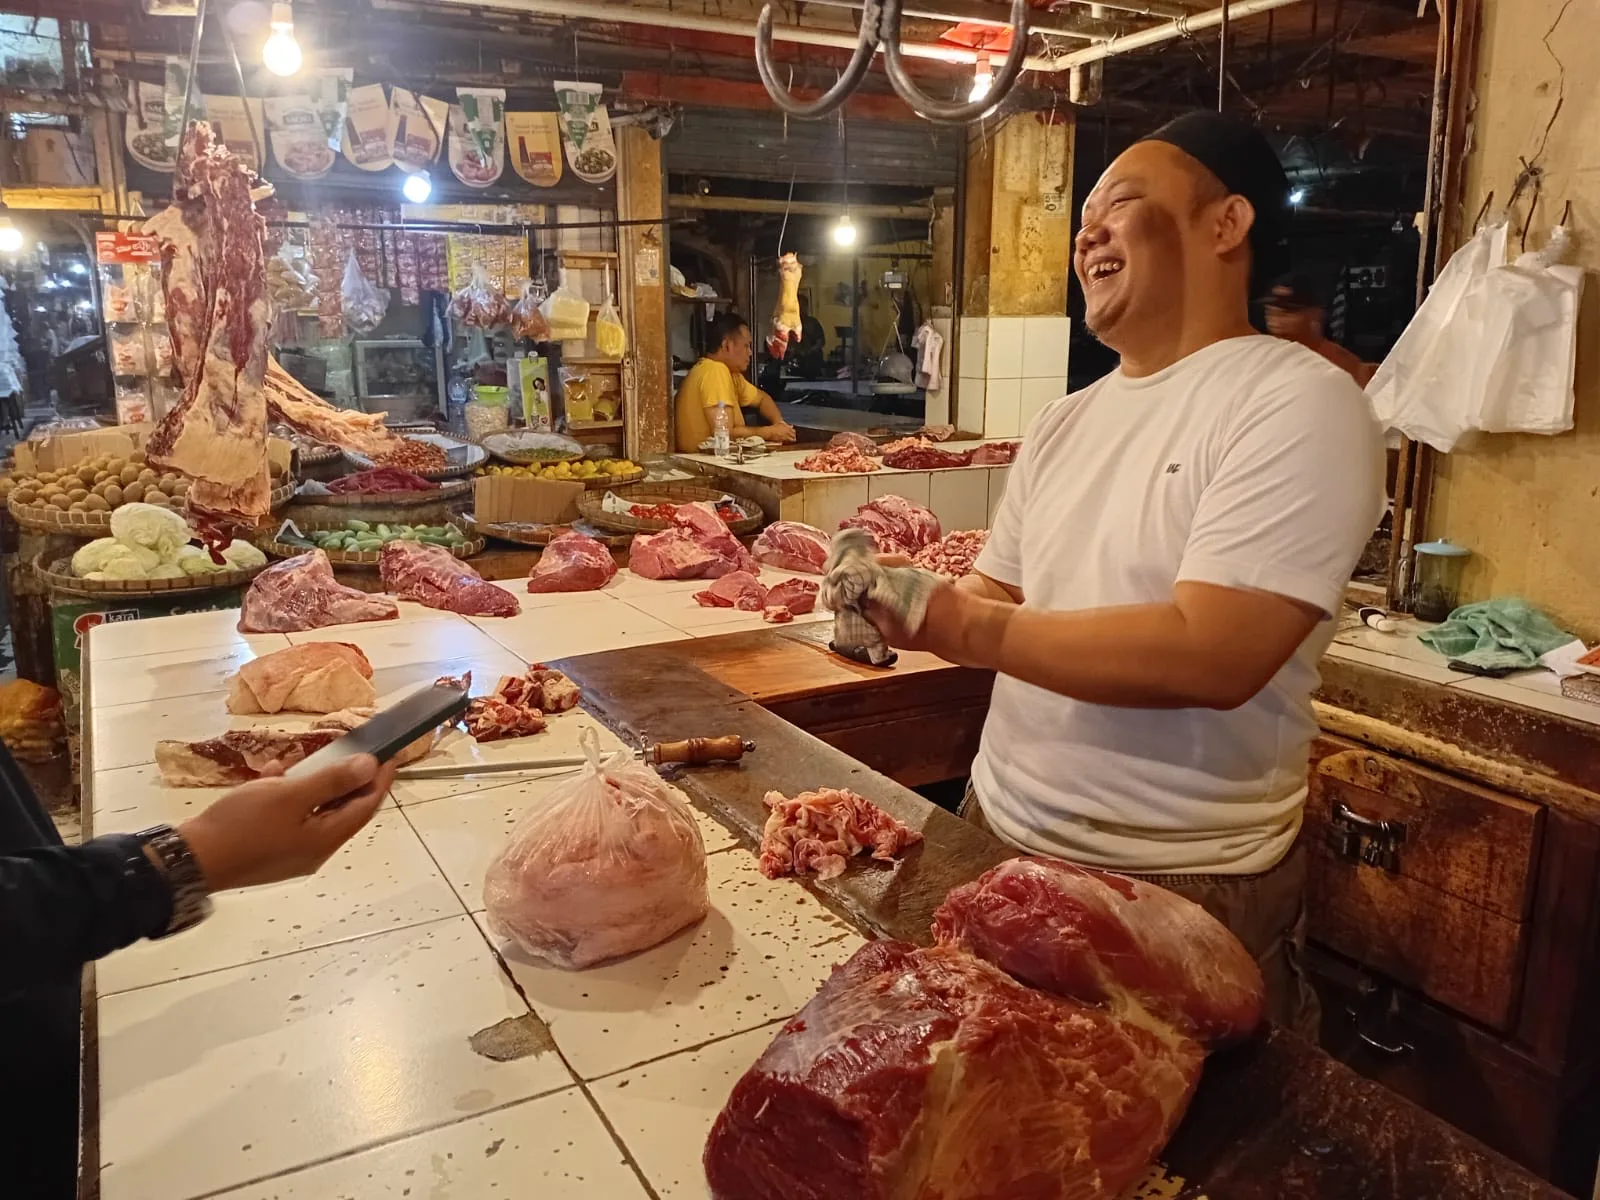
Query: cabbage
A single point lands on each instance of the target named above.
(242, 556)
(152, 527)
(167, 571)
(90, 559)
(192, 560)
(129, 562)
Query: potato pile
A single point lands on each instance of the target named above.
(99, 485)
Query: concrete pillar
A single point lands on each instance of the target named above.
(1017, 250)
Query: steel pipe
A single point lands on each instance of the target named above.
(953, 112)
(867, 40)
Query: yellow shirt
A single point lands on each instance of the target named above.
(708, 384)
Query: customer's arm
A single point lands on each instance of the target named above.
(64, 906)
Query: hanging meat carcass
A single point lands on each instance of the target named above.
(786, 313)
(214, 273)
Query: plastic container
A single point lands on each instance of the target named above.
(1436, 580)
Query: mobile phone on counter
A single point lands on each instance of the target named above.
(386, 733)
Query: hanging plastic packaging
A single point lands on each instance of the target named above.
(567, 313)
(480, 303)
(363, 304)
(526, 319)
(610, 338)
(609, 864)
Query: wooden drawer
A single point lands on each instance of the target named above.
(1446, 913)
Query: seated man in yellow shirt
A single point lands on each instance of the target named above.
(718, 378)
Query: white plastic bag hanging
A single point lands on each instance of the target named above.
(1531, 331)
(1424, 386)
(364, 305)
(567, 312)
(610, 338)
(608, 864)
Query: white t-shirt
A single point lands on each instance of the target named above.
(1253, 463)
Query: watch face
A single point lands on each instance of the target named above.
(191, 901)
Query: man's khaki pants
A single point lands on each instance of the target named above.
(1266, 912)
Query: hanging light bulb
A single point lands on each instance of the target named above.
(10, 237)
(982, 78)
(417, 187)
(281, 54)
(1297, 197)
(844, 233)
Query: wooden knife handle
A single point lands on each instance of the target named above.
(696, 751)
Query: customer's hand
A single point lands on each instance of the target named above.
(270, 829)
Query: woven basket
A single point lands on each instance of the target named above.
(529, 534)
(448, 490)
(58, 577)
(39, 519)
(665, 493)
(311, 456)
(359, 558)
(476, 457)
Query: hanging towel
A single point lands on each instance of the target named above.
(929, 343)
(1496, 635)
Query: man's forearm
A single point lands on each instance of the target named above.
(985, 588)
(1133, 656)
(768, 407)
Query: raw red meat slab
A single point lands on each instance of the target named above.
(932, 1074)
(1106, 939)
(301, 593)
(799, 596)
(433, 576)
(572, 562)
(740, 590)
(792, 546)
(698, 545)
(896, 525)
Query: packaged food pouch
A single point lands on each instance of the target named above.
(608, 864)
(609, 336)
(363, 304)
(480, 303)
(526, 319)
(567, 312)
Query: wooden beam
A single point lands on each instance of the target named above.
(703, 92)
(644, 265)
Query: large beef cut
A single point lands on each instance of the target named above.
(218, 318)
(995, 454)
(792, 546)
(739, 589)
(698, 545)
(318, 677)
(301, 593)
(433, 576)
(895, 524)
(919, 454)
(857, 441)
(932, 1075)
(798, 596)
(573, 562)
(1106, 939)
(237, 756)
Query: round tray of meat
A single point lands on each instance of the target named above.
(388, 487)
(430, 455)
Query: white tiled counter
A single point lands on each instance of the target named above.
(359, 1033)
(961, 497)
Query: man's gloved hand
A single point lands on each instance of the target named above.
(872, 603)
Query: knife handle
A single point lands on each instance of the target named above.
(698, 751)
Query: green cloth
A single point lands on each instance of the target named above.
(1496, 635)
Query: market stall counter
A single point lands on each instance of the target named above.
(365, 1032)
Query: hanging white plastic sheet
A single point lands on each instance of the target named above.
(1492, 348)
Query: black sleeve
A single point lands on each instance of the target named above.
(64, 906)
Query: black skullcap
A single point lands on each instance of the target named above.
(1245, 163)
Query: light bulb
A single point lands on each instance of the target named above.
(1297, 197)
(982, 79)
(417, 187)
(10, 237)
(844, 233)
(281, 54)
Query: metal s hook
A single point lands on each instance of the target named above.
(867, 40)
(947, 111)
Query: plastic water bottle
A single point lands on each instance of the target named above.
(721, 425)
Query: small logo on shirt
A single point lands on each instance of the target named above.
(1174, 468)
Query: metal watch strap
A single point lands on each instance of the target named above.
(191, 900)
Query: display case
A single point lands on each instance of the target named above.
(400, 376)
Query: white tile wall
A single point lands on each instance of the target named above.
(1036, 393)
(974, 346)
(970, 395)
(960, 499)
(911, 485)
(1005, 347)
(830, 501)
(1002, 410)
(1044, 347)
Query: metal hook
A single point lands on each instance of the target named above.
(947, 111)
(867, 41)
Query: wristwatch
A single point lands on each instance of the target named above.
(191, 899)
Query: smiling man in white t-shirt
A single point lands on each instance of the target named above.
(1164, 570)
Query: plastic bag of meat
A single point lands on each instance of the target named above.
(364, 305)
(433, 576)
(792, 546)
(860, 441)
(1100, 938)
(526, 319)
(301, 593)
(895, 524)
(573, 562)
(608, 864)
(480, 303)
(921, 1073)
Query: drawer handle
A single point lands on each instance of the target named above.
(1356, 838)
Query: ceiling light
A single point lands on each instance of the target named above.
(281, 54)
(10, 236)
(982, 79)
(417, 187)
(1297, 197)
(844, 233)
